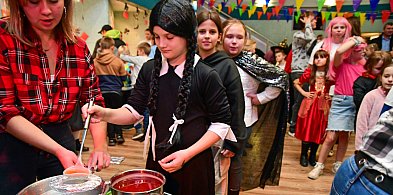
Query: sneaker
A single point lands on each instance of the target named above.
(317, 171)
(138, 136)
(336, 166)
(291, 134)
(331, 153)
(112, 142)
(120, 139)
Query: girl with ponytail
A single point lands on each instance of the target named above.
(189, 110)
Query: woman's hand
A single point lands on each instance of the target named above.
(308, 94)
(227, 153)
(174, 161)
(99, 159)
(66, 157)
(254, 99)
(97, 113)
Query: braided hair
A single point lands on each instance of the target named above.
(176, 17)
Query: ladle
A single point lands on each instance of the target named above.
(79, 167)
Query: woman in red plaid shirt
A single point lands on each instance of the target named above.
(45, 70)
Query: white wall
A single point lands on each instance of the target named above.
(90, 16)
(135, 36)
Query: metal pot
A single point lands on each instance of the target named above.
(137, 182)
(87, 184)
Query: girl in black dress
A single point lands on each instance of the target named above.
(187, 102)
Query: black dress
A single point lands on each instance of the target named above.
(207, 103)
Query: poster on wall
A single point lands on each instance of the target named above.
(318, 16)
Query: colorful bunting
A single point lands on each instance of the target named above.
(269, 15)
(249, 13)
(211, 3)
(357, 14)
(219, 7)
(233, 5)
(333, 14)
(277, 9)
(320, 4)
(356, 4)
(362, 18)
(240, 12)
(373, 5)
(264, 8)
(224, 3)
(323, 16)
(297, 16)
(281, 2)
(278, 17)
(327, 15)
(290, 10)
(229, 10)
(339, 5)
(267, 2)
(244, 7)
(239, 2)
(298, 4)
(259, 13)
(340, 14)
(372, 17)
(288, 17)
(385, 15)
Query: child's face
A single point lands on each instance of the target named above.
(172, 47)
(387, 78)
(280, 57)
(208, 36)
(234, 39)
(368, 51)
(377, 68)
(320, 61)
(338, 30)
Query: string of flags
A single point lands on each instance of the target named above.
(286, 12)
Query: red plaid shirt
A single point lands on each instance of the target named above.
(26, 88)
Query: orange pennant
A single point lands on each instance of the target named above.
(269, 15)
(229, 10)
(259, 14)
(244, 7)
(339, 5)
(277, 9)
(264, 8)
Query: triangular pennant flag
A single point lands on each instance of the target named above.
(250, 4)
(253, 9)
(340, 14)
(277, 9)
(229, 10)
(224, 3)
(281, 2)
(239, 2)
(278, 17)
(259, 13)
(368, 16)
(264, 8)
(327, 15)
(391, 5)
(333, 14)
(348, 14)
(320, 4)
(373, 5)
(356, 4)
(233, 5)
(249, 13)
(267, 2)
(290, 10)
(269, 15)
(356, 14)
(219, 7)
(339, 5)
(244, 7)
(253, 2)
(372, 17)
(362, 18)
(297, 16)
(385, 15)
(240, 12)
(323, 15)
(299, 4)
(211, 3)
(288, 17)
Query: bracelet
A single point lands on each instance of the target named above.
(357, 42)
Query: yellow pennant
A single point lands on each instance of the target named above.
(362, 18)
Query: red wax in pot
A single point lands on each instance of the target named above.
(138, 184)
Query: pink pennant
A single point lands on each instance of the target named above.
(385, 15)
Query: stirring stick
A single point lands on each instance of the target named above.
(85, 128)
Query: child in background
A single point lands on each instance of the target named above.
(348, 66)
(136, 62)
(314, 109)
(370, 49)
(368, 81)
(280, 59)
(371, 106)
(123, 50)
(111, 73)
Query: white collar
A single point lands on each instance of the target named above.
(179, 69)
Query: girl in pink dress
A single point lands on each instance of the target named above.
(313, 112)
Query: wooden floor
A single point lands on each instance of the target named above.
(293, 176)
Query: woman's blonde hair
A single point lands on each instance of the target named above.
(18, 22)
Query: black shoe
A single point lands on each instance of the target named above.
(112, 142)
(120, 139)
(248, 145)
(303, 161)
(78, 146)
(312, 162)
